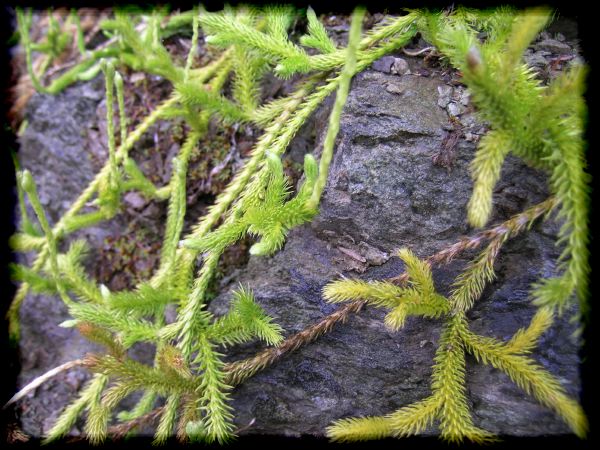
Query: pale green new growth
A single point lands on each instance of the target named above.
(419, 298)
(524, 340)
(360, 429)
(448, 382)
(485, 169)
(30, 238)
(131, 330)
(268, 214)
(176, 211)
(317, 36)
(144, 300)
(245, 320)
(214, 396)
(69, 416)
(167, 420)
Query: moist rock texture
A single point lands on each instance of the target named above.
(52, 149)
(387, 189)
(55, 148)
(384, 192)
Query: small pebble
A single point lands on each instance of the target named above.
(135, 200)
(443, 102)
(137, 77)
(400, 66)
(383, 64)
(455, 109)
(394, 89)
(468, 120)
(445, 92)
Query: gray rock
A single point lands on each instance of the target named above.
(55, 148)
(400, 66)
(553, 46)
(384, 193)
(455, 109)
(52, 143)
(536, 60)
(384, 64)
(445, 94)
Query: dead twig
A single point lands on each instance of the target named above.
(418, 52)
(42, 379)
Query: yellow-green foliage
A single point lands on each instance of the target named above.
(256, 202)
(541, 124)
(419, 299)
(448, 403)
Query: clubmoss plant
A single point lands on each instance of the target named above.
(543, 125)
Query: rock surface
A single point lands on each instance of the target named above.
(56, 149)
(383, 193)
(387, 189)
(51, 148)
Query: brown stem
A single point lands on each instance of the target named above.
(241, 370)
(121, 430)
(503, 231)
